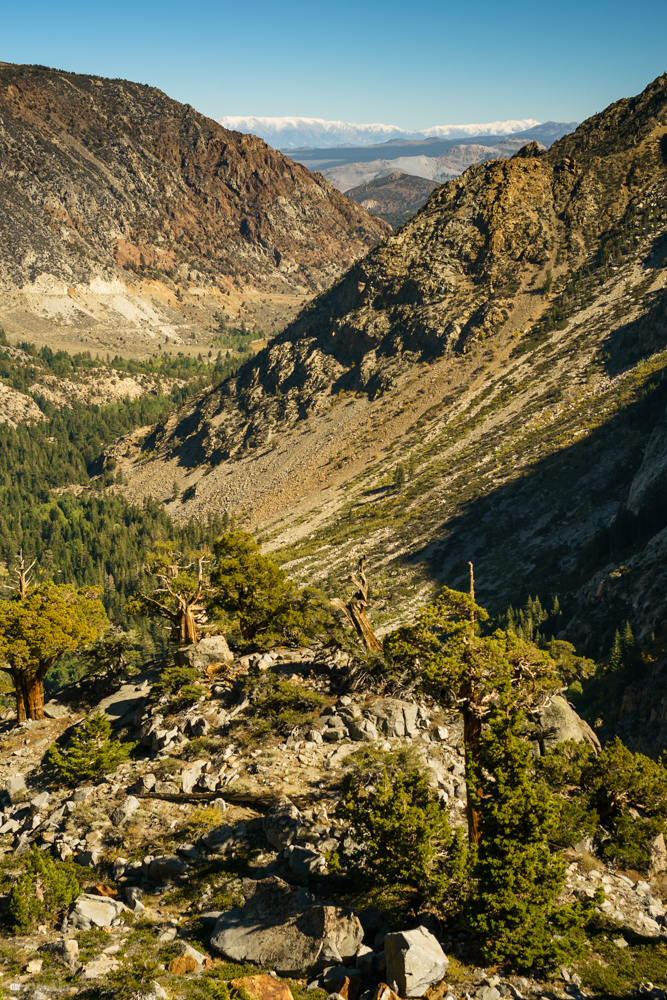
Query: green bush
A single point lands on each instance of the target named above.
(174, 678)
(42, 891)
(400, 832)
(91, 753)
(617, 797)
(279, 706)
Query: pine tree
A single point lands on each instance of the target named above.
(399, 477)
(91, 753)
(616, 653)
(517, 879)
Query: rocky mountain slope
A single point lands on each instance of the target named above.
(212, 848)
(394, 198)
(505, 348)
(127, 218)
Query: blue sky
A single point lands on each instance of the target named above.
(408, 64)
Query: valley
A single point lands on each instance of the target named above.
(333, 549)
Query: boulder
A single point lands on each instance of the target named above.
(559, 722)
(191, 774)
(658, 853)
(186, 950)
(15, 787)
(208, 652)
(40, 802)
(67, 950)
(54, 710)
(146, 783)
(362, 730)
(134, 897)
(184, 963)
(88, 859)
(283, 927)
(282, 824)
(303, 861)
(125, 810)
(98, 911)
(167, 868)
(262, 988)
(415, 961)
(166, 788)
(396, 717)
(99, 967)
(197, 725)
(220, 839)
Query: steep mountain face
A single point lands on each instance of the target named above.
(394, 198)
(505, 349)
(117, 201)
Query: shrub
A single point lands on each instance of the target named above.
(42, 891)
(174, 678)
(280, 706)
(618, 797)
(91, 753)
(401, 835)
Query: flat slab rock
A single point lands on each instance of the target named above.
(285, 928)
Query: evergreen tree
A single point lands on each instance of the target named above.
(36, 631)
(457, 665)
(91, 753)
(177, 598)
(516, 877)
(252, 594)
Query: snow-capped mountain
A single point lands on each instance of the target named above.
(292, 132)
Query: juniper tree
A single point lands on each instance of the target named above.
(459, 666)
(252, 594)
(177, 598)
(35, 632)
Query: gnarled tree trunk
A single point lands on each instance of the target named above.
(355, 608)
(472, 738)
(29, 689)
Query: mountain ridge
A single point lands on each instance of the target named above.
(292, 131)
(126, 214)
(513, 323)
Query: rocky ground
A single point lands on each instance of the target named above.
(205, 858)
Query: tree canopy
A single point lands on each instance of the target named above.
(34, 632)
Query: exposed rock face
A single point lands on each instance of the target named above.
(106, 178)
(282, 927)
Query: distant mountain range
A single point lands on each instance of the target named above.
(292, 132)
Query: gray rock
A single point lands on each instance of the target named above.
(15, 787)
(146, 783)
(305, 862)
(162, 738)
(415, 961)
(40, 802)
(87, 859)
(83, 794)
(396, 717)
(208, 782)
(98, 911)
(183, 948)
(282, 925)
(198, 726)
(125, 810)
(560, 722)
(335, 733)
(54, 710)
(166, 788)
(658, 853)
(134, 897)
(282, 824)
(362, 730)
(167, 868)
(206, 653)
(488, 993)
(67, 950)
(119, 866)
(187, 851)
(220, 839)
(99, 967)
(191, 774)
